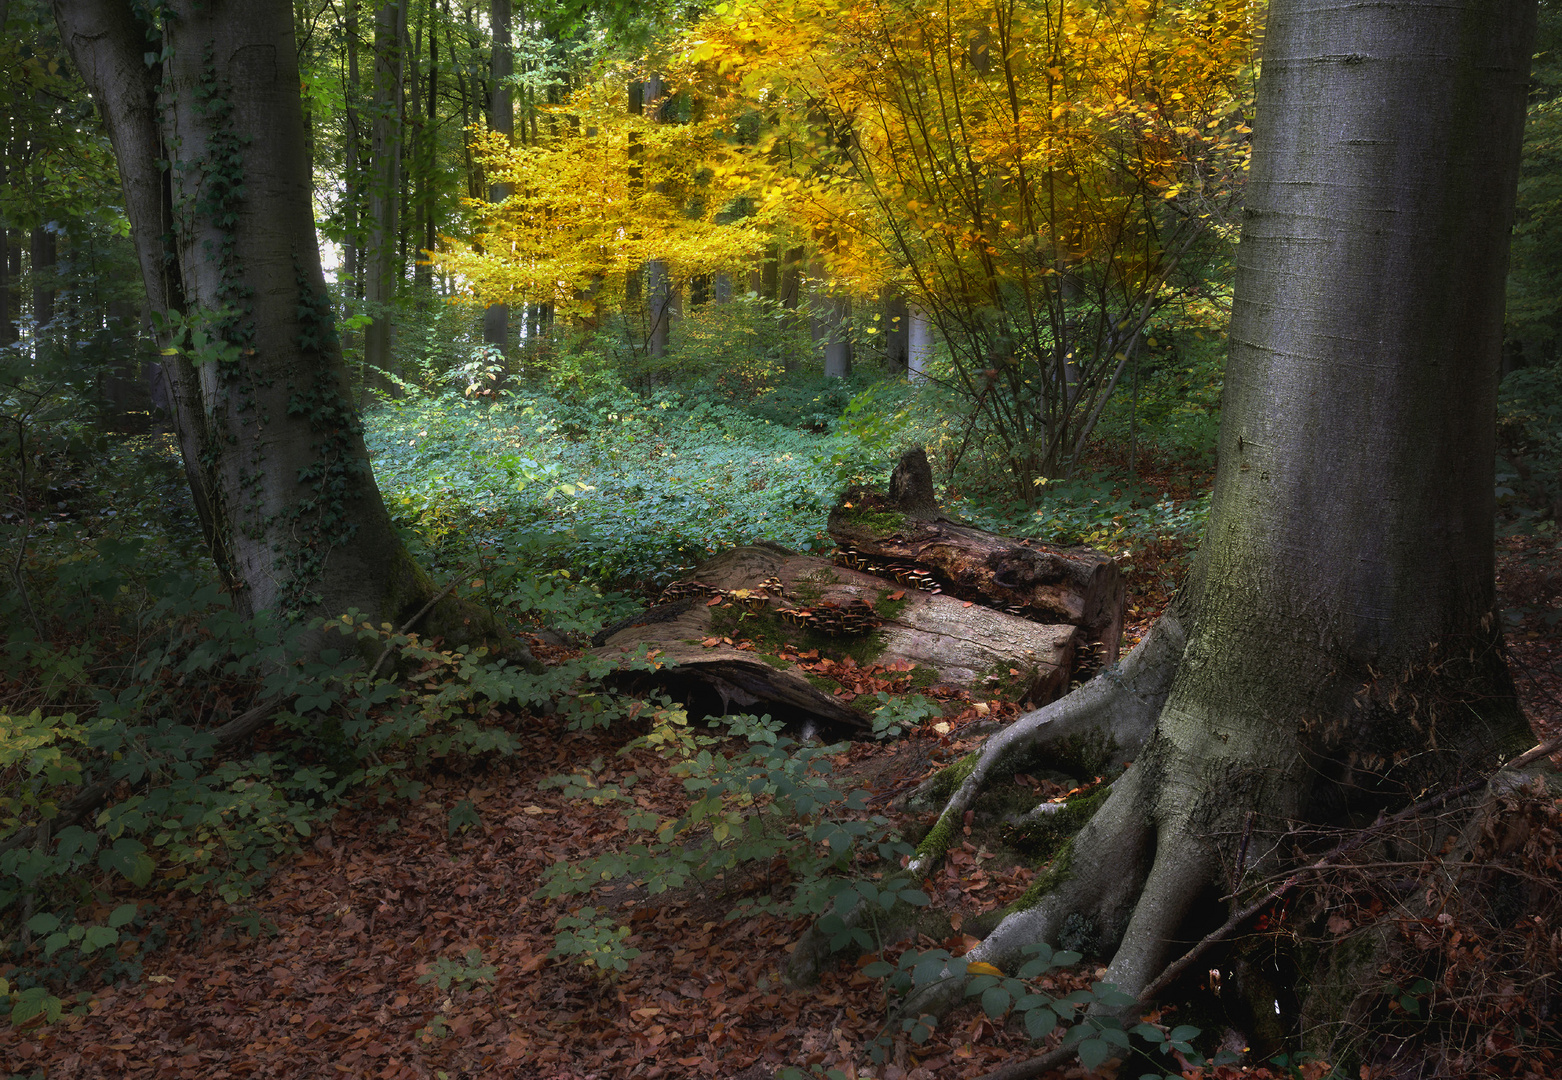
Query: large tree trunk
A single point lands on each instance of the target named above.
(271, 442)
(1341, 652)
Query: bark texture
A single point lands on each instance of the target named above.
(501, 118)
(225, 237)
(1341, 652)
(384, 210)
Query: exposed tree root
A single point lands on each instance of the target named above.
(1178, 876)
(1114, 712)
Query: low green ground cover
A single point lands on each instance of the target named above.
(635, 489)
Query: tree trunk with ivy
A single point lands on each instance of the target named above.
(271, 442)
(1334, 653)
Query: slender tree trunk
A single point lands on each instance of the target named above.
(836, 311)
(501, 118)
(14, 262)
(474, 187)
(919, 342)
(662, 297)
(895, 331)
(44, 255)
(632, 278)
(8, 312)
(380, 267)
(8, 309)
(226, 243)
(352, 176)
(408, 107)
(430, 189)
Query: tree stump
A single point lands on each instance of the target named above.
(905, 535)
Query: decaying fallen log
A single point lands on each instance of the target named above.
(768, 598)
(903, 533)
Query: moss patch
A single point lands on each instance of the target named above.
(1042, 837)
(821, 682)
(886, 608)
(950, 777)
(769, 633)
(938, 839)
(1085, 755)
(1060, 870)
(810, 587)
(998, 681)
(879, 522)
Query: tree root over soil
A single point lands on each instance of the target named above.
(1105, 721)
(1384, 826)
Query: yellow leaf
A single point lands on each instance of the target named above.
(981, 967)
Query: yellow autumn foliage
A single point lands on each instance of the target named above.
(600, 194)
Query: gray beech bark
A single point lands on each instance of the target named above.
(836, 310)
(226, 241)
(381, 268)
(351, 172)
(501, 118)
(1341, 653)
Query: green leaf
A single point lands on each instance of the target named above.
(99, 937)
(43, 924)
(122, 915)
(35, 1002)
(1116, 1036)
(915, 897)
(878, 969)
(464, 815)
(1108, 994)
(1093, 1053)
(1039, 1023)
(996, 1001)
(1150, 1033)
(1183, 1033)
(979, 984)
(130, 859)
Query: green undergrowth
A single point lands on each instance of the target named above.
(639, 488)
(127, 683)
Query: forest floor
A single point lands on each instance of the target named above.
(336, 979)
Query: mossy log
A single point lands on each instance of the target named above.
(767, 598)
(904, 530)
